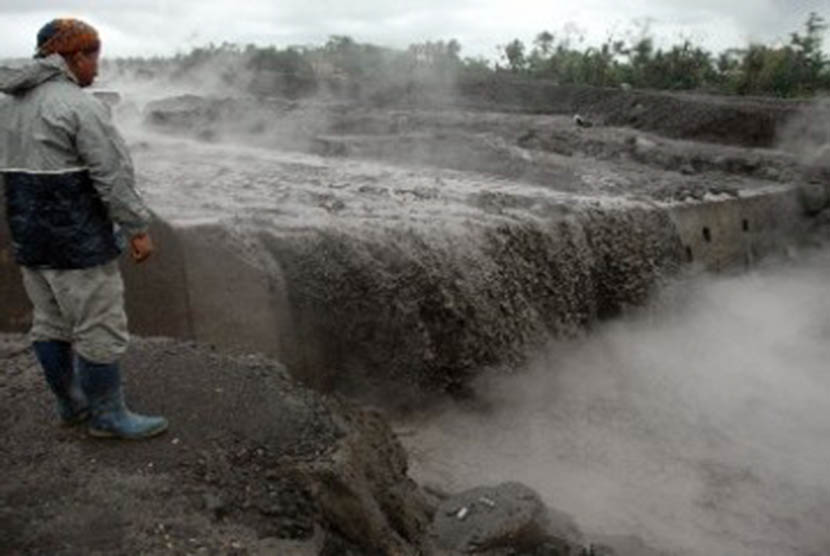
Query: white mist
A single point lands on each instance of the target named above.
(700, 424)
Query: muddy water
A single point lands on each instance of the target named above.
(188, 181)
(700, 424)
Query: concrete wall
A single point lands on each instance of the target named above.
(733, 233)
(202, 284)
(198, 285)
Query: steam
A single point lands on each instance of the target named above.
(700, 424)
(212, 101)
(807, 135)
(222, 99)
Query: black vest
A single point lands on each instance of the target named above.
(58, 221)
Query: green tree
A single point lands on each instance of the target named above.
(284, 72)
(514, 53)
(544, 43)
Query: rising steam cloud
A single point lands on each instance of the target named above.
(700, 424)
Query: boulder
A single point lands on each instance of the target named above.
(488, 520)
(813, 197)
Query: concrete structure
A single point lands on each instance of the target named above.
(203, 284)
(735, 232)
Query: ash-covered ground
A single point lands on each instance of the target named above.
(413, 165)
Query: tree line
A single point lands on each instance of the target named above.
(345, 66)
(797, 68)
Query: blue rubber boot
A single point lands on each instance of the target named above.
(110, 416)
(55, 358)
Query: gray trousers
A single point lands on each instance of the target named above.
(84, 307)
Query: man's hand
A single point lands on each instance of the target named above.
(141, 247)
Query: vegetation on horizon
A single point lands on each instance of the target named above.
(344, 66)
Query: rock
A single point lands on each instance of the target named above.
(643, 144)
(820, 226)
(510, 515)
(290, 547)
(582, 122)
(813, 197)
(363, 488)
(687, 169)
(642, 148)
(215, 505)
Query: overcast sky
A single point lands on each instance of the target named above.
(133, 27)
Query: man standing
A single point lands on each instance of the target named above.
(71, 202)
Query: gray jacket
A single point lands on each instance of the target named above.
(66, 172)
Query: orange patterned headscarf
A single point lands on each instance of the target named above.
(66, 36)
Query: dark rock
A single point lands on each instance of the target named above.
(510, 515)
(582, 122)
(215, 505)
(813, 197)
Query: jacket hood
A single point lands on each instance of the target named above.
(18, 80)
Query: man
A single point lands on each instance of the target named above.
(71, 202)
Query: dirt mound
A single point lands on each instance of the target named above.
(252, 463)
(749, 122)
